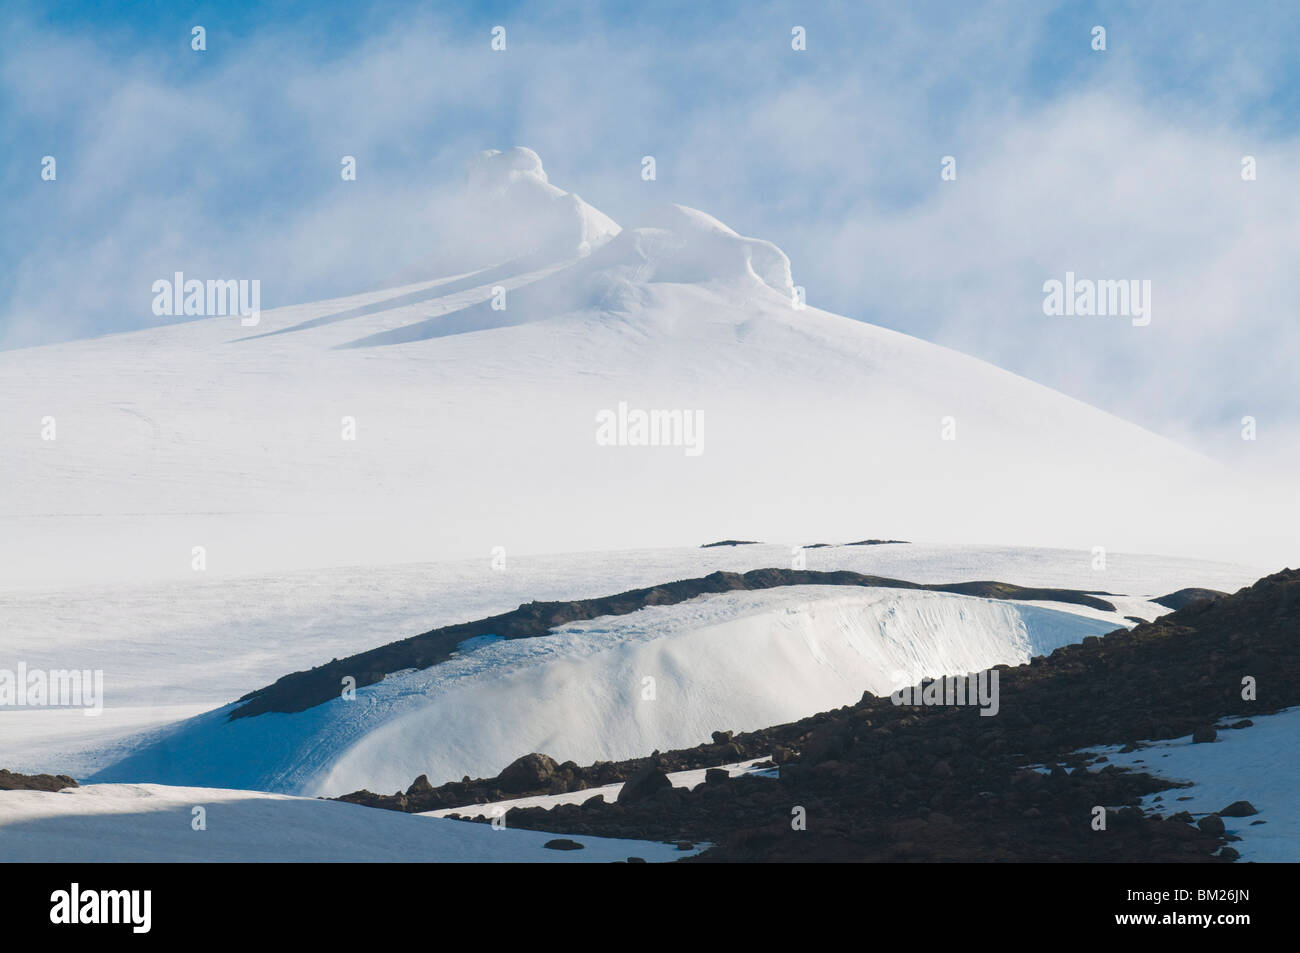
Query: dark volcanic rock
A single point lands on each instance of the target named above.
(1204, 735)
(647, 782)
(529, 773)
(563, 843)
(1238, 809)
(1211, 824)
(10, 781)
(420, 787)
(1187, 597)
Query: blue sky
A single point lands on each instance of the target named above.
(1118, 164)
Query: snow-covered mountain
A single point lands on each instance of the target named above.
(499, 408)
(198, 509)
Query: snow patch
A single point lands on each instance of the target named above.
(1254, 764)
(152, 822)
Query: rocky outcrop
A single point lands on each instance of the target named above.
(532, 772)
(646, 783)
(1186, 597)
(9, 781)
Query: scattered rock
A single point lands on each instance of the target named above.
(1211, 824)
(528, 773)
(647, 782)
(9, 781)
(1238, 809)
(562, 843)
(1187, 597)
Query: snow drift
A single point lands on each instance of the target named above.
(177, 648)
(613, 688)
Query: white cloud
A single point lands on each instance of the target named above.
(832, 153)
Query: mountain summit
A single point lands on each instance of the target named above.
(447, 417)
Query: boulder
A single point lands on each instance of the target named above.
(1211, 824)
(532, 772)
(562, 843)
(1238, 809)
(647, 782)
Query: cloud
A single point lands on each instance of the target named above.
(1123, 164)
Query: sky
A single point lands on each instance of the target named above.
(1115, 164)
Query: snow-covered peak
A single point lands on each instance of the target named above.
(520, 212)
(712, 250)
(517, 211)
(493, 169)
(685, 245)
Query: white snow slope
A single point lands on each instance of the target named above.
(153, 822)
(476, 427)
(177, 648)
(612, 688)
